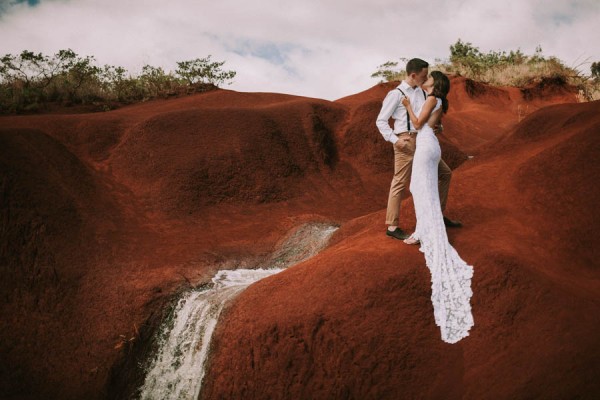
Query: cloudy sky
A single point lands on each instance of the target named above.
(318, 48)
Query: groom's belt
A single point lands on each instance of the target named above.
(409, 132)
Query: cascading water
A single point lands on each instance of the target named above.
(177, 370)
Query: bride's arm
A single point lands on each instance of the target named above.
(419, 121)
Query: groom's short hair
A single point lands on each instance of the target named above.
(415, 65)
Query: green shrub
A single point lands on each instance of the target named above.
(595, 69)
(202, 71)
(513, 68)
(30, 81)
(501, 68)
(389, 71)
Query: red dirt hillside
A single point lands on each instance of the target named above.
(106, 216)
(356, 321)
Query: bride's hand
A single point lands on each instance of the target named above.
(405, 101)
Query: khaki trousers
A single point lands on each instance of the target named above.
(402, 169)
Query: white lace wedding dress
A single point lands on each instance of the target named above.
(450, 275)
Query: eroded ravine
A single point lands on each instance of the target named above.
(177, 368)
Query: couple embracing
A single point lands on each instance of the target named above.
(417, 106)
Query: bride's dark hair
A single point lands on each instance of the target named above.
(441, 87)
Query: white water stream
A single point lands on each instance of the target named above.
(177, 370)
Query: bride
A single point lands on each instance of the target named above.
(450, 275)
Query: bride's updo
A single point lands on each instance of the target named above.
(441, 87)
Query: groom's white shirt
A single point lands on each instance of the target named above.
(393, 107)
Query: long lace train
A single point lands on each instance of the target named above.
(450, 275)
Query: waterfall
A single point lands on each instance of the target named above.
(177, 370)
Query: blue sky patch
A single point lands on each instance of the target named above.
(6, 4)
(274, 53)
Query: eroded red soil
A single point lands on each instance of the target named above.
(105, 215)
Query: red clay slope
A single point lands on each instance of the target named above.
(53, 210)
(478, 113)
(356, 322)
(104, 216)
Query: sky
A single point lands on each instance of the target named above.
(317, 48)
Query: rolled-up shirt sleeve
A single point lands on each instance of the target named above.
(390, 103)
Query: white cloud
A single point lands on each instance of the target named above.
(316, 48)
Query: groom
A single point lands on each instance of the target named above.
(403, 136)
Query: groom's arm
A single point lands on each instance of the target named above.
(390, 103)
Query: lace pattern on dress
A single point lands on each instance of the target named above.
(450, 275)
